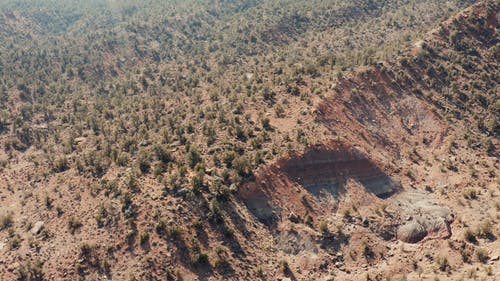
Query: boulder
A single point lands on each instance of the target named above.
(37, 227)
(412, 232)
(438, 228)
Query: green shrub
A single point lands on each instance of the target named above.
(6, 221)
(366, 249)
(30, 271)
(323, 226)
(144, 162)
(470, 236)
(443, 263)
(60, 165)
(161, 228)
(15, 242)
(285, 267)
(266, 123)
(85, 250)
(74, 224)
(194, 157)
(175, 232)
(482, 255)
(470, 194)
(143, 238)
(200, 259)
(198, 182)
(485, 230)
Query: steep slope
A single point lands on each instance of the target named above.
(432, 118)
(136, 156)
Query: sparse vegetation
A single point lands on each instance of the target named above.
(366, 250)
(118, 118)
(482, 255)
(347, 214)
(470, 194)
(143, 238)
(30, 271)
(285, 267)
(175, 232)
(485, 230)
(200, 259)
(74, 224)
(470, 236)
(443, 264)
(15, 242)
(6, 221)
(323, 227)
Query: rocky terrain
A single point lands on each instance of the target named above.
(401, 114)
(138, 163)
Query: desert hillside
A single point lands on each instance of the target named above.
(249, 140)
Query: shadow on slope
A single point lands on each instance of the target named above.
(322, 173)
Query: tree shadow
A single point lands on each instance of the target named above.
(237, 220)
(230, 240)
(145, 246)
(489, 236)
(202, 236)
(199, 226)
(288, 273)
(202, 269)
(204, 272)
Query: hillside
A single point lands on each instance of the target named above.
(244, 140)
(413, 159)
